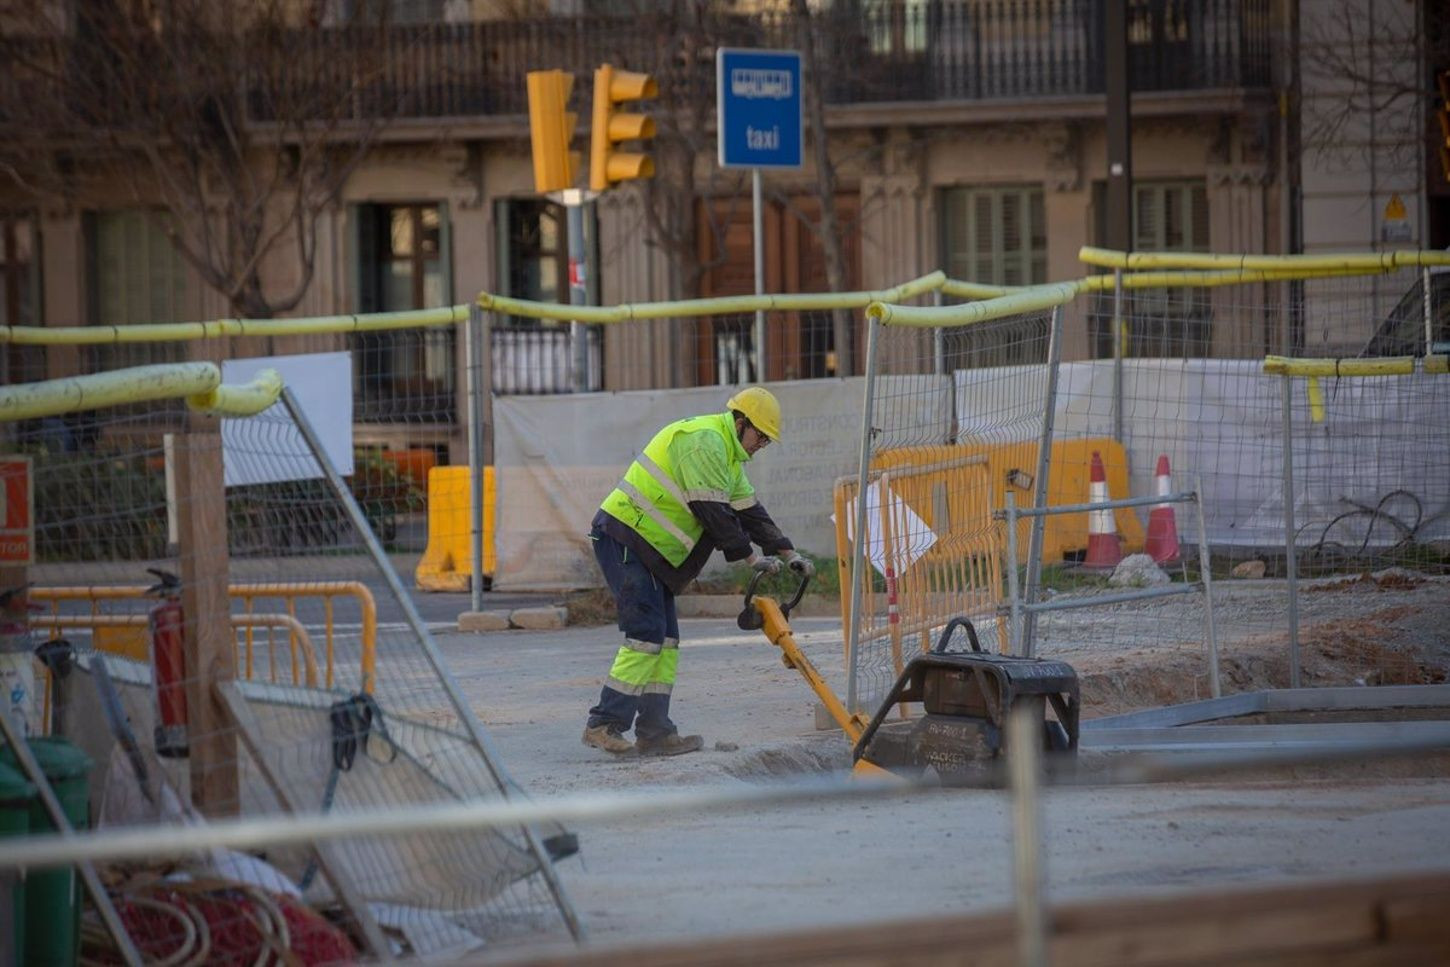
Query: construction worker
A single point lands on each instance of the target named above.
(684, 497)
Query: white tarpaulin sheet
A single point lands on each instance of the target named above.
(557, 457)
(1384, 443)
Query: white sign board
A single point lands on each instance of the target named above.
(268, 448)
(911, 537)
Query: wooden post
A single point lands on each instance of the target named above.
(210, 658)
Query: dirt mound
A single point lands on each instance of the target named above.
(1392, 646)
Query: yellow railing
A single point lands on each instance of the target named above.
(299, 640)
(200, 384)
(923, 491)
(248, 620)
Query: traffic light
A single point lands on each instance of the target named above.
(608, 164)
(1442, 79)
(551, 128)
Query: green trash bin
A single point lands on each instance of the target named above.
(53, 896)
(15, 797)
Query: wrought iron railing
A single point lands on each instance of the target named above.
(532, 360)
(898, 50)
(875, 52)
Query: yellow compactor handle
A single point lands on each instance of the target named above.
(770, 617)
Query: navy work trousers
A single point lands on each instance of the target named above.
(647, 617)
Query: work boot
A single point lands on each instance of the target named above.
(672, 744)
(609, 739)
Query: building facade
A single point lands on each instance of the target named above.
(964, 136)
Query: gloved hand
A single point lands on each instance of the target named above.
(767, 565)
(800, 565)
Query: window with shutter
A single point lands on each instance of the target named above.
(1168, 216)
(137, 277)
(19, 292)
(536, 355)
(403, 263)
(996, 236)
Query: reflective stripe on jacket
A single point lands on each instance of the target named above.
(654, 496)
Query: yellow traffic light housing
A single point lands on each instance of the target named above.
(607, 163)
(551, 128)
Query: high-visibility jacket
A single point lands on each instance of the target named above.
(686, 495)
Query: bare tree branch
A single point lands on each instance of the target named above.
(234, 122)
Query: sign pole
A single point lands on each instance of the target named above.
(758, 114)
(758, 219)
(573, 199)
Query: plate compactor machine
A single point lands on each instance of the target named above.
(966, 696)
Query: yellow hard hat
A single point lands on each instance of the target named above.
(760, 407)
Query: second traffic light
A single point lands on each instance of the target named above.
(609, 164)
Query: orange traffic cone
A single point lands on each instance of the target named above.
(1162, 543)
(1103, 550)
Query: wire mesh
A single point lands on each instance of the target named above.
(951, 413)
(335, 710)
(1172, 405)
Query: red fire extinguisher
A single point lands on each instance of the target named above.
(168, 664)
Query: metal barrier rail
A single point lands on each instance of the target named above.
(298, 639)
(1022, 604)
(249, 593)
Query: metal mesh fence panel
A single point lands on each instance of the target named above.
(955, 416)
(340, 701)
(1347, 464)
(1171, 407)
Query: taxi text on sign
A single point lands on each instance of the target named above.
(758, 97)
(17, 511)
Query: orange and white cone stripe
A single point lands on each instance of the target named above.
(1104, 550)
(1162, 542)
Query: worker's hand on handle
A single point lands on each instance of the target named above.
(766, 565)
(800, 565)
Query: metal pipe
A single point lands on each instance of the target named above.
(1044, 462)
(1183, 497)
(1427, 309)
(1064, 603)
(858, 571)
(758, 234)
(1291, 564)
(307, 829)
(1207, 580)
(1014, 629)
(578, 289)
(1119, 348)
(430, 649)
(473, 342)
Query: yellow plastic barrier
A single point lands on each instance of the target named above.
(1067, 483)
(447, 564)
(953, 489)
(926, 583)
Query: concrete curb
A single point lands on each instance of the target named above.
(549, 618)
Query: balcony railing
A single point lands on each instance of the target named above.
(892, 51)
(900, 50)
(876, 52)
